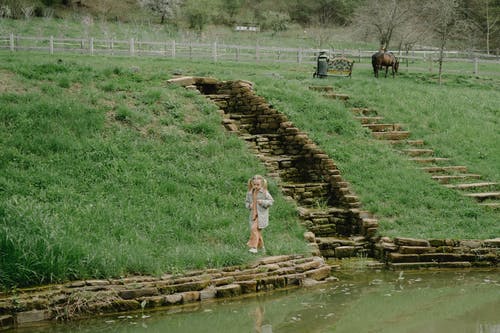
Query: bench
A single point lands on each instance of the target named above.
(340, 67)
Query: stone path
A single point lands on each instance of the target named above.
(326, 205)
(328, 208)
(486, 193)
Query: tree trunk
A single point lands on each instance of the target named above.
(441, 56)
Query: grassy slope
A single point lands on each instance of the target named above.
(107, 171)
(459, 120)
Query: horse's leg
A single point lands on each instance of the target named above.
(386, 70)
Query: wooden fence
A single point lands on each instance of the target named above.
(218, 52)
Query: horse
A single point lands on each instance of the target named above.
(387, 59)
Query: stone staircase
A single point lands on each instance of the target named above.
(327, 207)
(457, 177)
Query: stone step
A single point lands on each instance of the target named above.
(239, 116)
(321, 88)
(368, 120)
(426, 160)
(364, 111)
(218, 96)
(418, 152)
(392, 135)
(483, 195)
(383, 127)
(413, 143)
(438, 169)
(419, 142)
(445, 179)
(342, 97)
(492, 205)
(470, 185)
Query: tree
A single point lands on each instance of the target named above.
(485, 16)
(322, 12)
(231, 7)
(446, 22)
(198, 13)
(383, 17)
(166, 8)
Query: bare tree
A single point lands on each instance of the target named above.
(446, 22)
(383, 17)
(166, 8)
(485, 16)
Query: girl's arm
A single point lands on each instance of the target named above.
(268, 201)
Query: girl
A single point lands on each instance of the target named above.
(258, 201)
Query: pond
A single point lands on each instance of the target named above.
(361, 301)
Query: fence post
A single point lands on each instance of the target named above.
(430, 63)
(112, 45)
(132, 47)
(476, 66)
(299, 56)
(359, 55)
(91, 45)
(11, 43)
(257, 51)
(173, 49)
(237, 54)
(51, 45)
(214, 51)
(190, 50)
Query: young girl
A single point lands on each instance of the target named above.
(258, 201)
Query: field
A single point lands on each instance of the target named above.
(109, 171)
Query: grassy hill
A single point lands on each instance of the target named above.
(107, 171)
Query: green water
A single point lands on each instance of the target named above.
(370, 301)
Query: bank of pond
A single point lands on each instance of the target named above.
(359, 300)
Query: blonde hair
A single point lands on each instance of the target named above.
(262, 180)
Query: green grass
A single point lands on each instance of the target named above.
(106, 170)
(77, 26)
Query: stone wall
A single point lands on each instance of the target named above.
(92, 297)
(305, 173)
(401, 253)
(329, 209)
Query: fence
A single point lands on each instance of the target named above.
(224, 52)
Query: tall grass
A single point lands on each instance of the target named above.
(106, 170)
(460, 121)
(114, 173)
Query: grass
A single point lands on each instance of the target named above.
(108, 171)
(142, 29)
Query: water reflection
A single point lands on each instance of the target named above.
(259, 316)
(385, 301)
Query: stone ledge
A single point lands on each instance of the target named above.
(75, 299)
(443, 252)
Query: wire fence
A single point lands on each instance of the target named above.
(219, 52)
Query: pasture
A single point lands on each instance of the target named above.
(108, 171)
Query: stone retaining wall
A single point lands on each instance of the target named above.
(92, 297)
(328, 207)
(401, 253)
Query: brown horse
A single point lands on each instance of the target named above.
(387, 59)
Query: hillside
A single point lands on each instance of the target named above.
(107, 171)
